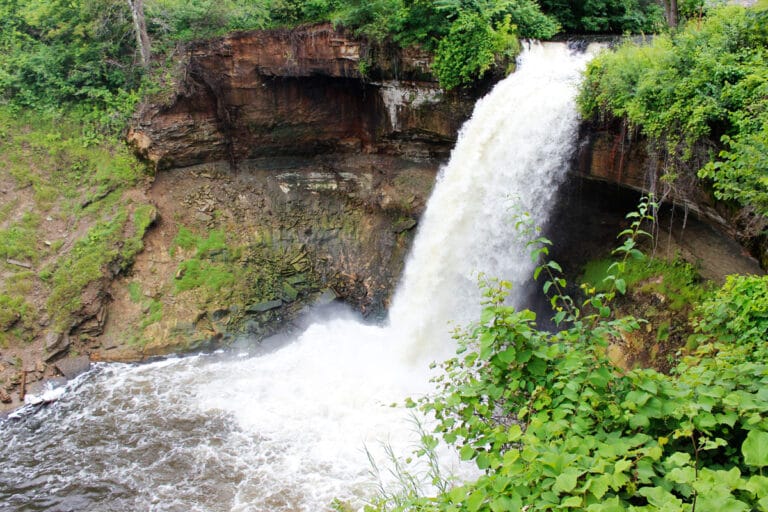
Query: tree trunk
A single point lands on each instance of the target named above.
(670, 6)
(140, 28)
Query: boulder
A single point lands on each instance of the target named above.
(71, 367)
(56, 343)
(261, 307)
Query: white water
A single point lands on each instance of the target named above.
(286, 430)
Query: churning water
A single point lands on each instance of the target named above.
(287, 429)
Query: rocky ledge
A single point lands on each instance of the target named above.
(305, 91)
(611, 153)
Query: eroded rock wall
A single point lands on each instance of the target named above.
(312, 151)
(304, 91)
(296, 231)
(611, 153)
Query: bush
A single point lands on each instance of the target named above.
(552, 425)
(611, 16)
(737, 312)
(706, 84)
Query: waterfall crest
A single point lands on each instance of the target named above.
(286, 430)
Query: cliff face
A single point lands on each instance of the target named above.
(312, 152)
(305, 91)
(612, 154)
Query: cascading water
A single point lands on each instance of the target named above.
(287, 429)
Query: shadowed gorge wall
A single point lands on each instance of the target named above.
(301, 91)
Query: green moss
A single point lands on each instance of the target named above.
(54, 154)
(678, 281)
(196, 273)
(84, 264)
(12, 310)
(222, 274)
(6, 208)
(19, 240)
(134, 292)
(154, 313)
(143, 217)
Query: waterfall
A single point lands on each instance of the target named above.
(509, 159)
(286, 430)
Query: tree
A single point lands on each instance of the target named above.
(140, 28)
(671, 12)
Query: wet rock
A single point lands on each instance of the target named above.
(403, 225)
(44, 391)
(261, 307)
(327, 297)
(290, 293)
(297, 279)
(203, 217)
(55, 343)
(219, 314)
(73, 366)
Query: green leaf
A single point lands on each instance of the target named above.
(566, 481)
(457, 494)
(639, 421)
(475, 500)
(720, 499)
(621, 286)
(554, 265)
(598, 486)
(506, 503)
(662, 499)
(755, 449)
(466, 452)
(572, 502)
(758, 485)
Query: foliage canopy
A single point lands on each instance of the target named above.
(706, 84)
(63, 52)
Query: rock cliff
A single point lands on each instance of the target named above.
(314, 153)
(311, 153)
(611, 153)
(304, 91)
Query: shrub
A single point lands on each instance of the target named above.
(552, 425)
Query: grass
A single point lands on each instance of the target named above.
(154, 313)
(76, 178)
(12, 309)
(105, 243)
(19, 240)
(134, 292)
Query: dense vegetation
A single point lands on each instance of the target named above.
(554, 425)
(601, 16)
(54, 52)
(703, 89)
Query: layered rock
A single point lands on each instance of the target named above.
(613, 154)
(304, 144)
(304, 91)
